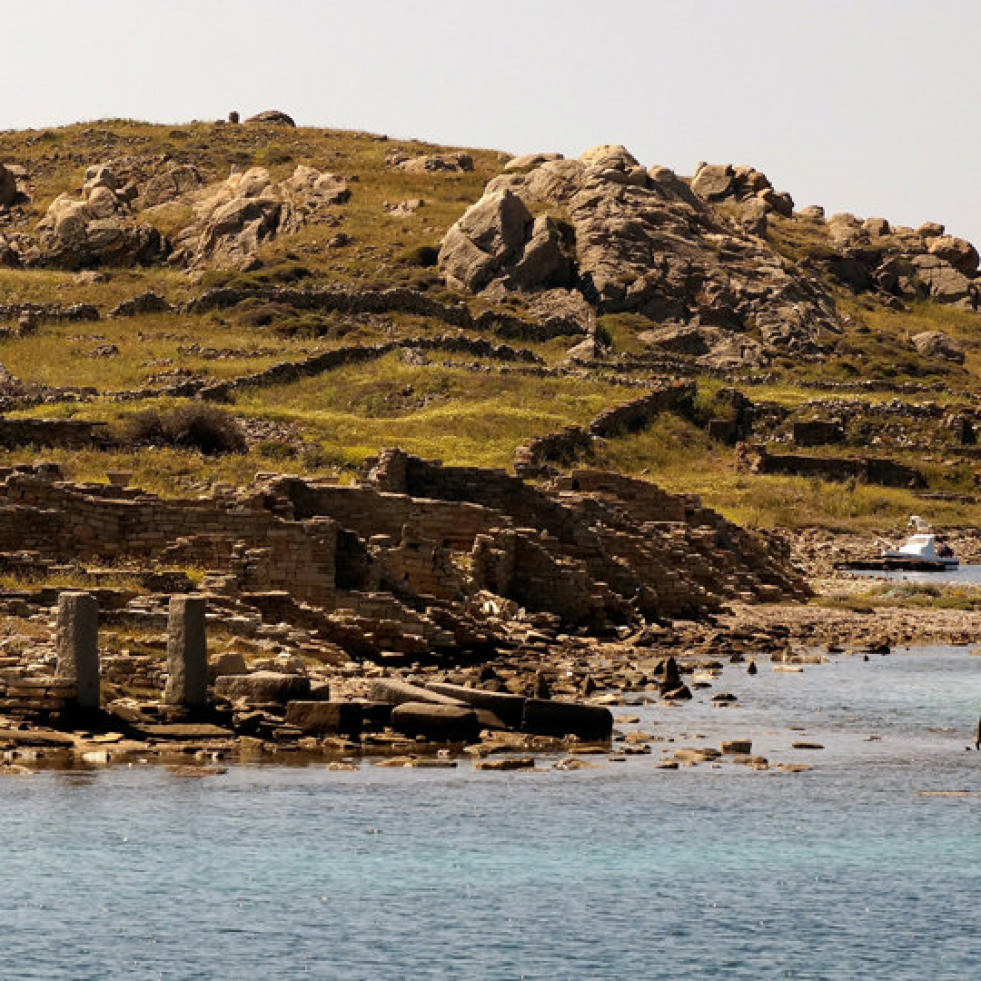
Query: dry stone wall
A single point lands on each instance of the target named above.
(870, 470)
(75, 522)
(572, 442)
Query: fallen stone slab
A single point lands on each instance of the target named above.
(325, 718)
(185, 730)
(263, 687)
(35, 737)
(547, 717)
(438, 723)
(737, 747)
(398, 692)
(509, 708)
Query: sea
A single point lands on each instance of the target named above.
(867, 865)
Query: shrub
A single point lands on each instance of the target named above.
(424, 256)
(194, 427)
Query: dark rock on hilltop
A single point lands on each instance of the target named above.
(8, 187)
(274, 116)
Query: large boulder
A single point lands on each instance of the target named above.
(937, 344)
(170, 184)
(957, 251)
(274, 117)
(528, 161)
(97, 228)
(713, 181)
(945, 283)
(314, 189)
(499, 238)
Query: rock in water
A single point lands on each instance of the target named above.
(438, 723)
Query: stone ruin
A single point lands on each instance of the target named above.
(438, 565)
(592, 548)
(412, 559)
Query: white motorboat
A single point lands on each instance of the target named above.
(921, 551)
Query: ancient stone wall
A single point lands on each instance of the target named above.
(818, 432)
(285, 372)
(593, 549)
(71, 433)
(398, 300)
(640, 413)
(70, 524)
(571, 442)
(871, 470)
(371, 512)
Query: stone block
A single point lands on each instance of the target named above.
(325, 718)
(437, 723)
(547, 717)
(78, 646)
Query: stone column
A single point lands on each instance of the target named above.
(187, 653)
(78, 645)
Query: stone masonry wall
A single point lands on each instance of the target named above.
(65, 522)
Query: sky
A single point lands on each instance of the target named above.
(868, 106)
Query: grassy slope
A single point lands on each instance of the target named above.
(441, 409)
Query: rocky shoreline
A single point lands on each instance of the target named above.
(586, 692)
(425, 615)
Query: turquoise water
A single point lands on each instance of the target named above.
(622, 871)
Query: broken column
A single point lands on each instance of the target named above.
(78, 646)
(187, 653)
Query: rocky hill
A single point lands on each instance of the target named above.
(341, 292)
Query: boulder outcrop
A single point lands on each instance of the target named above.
(170, 184)
(97, 228)
(237, 216)
(937, 344)
(430, 163)
(743, 185)
(632, 239)
(274, 117)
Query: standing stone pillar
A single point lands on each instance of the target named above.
(187, 653)
(78, 646)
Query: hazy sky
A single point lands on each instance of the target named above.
(868, 106)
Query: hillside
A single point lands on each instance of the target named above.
(137, 275)
(398, 412)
